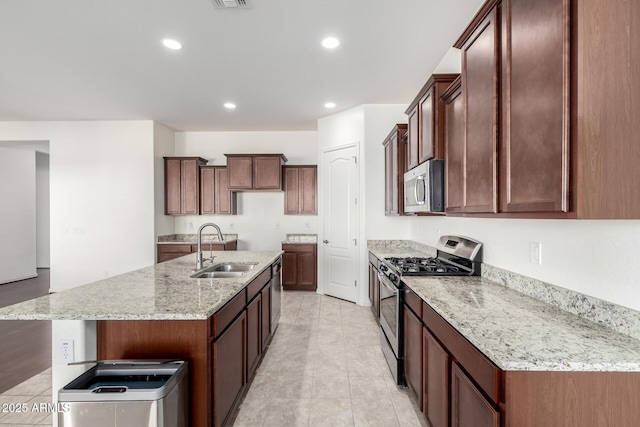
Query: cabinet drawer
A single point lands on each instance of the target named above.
(485, 374)
(297, 247)
(413, 301)
(226, 314)
(174, 248)
(258, 283)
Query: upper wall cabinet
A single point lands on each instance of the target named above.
(215, 196)
(394, 168)
(300, 190)
(567, 107)
(182, 185)
(255, 171)
(426, 122)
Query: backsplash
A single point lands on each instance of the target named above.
(620, 319)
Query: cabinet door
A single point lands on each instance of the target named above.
(480, 59)
(435, 381)
(265, 297)
(413, 139)
(374, 291)
(426, 108)
(229, 369)
(535, 121)
(291, 191)
(207, 190)
(307, 271)
(454, 149)
(225, 200)
(391, 175)
(254, 338)
(240, 172)
(469, 408)
(413, 352)
(172, 180)
(290, 270)
(189, 186)
(309, 190)
(267, 174)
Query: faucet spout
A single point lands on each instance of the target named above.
(199, 260)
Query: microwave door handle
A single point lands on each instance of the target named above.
(415, 192)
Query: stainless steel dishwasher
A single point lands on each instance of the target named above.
(127, 393)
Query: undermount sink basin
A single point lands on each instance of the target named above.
(224, 270)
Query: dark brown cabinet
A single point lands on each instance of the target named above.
(454, 148)
(168, 251)
(299, 267)
(413, 351)
(469, 408)
(300, 190)
(215, 196)
(535, 106)
(426, 120)
(229, 367)
(394, 168)
(260, 172)
(182, 185)
(254, 332)
(435, 381)
(480, 92)
(374, 288)
(265, 298)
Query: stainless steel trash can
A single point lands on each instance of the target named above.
(127, 393)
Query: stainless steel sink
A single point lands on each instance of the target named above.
(224, 270)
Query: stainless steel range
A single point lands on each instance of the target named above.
(455, 256)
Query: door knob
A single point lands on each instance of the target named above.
(325, 241)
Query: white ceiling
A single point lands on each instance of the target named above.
(103, 60)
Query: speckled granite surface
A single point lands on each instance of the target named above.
(518, 331)
(161, 292)
(193, 238)
(300, 238)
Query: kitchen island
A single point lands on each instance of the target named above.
(491, 354)
(220, 326)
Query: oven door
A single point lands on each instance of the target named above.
(390, 313)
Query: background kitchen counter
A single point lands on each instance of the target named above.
(515, 331)
(193, 238)
(159, 292)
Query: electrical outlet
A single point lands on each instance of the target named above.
(232, 226)
(535, 253)
(277, 226)
(65, 351)
(307, 225)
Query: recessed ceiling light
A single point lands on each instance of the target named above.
(330, 42)
(229, 105)
(172, 44)
(330, 105)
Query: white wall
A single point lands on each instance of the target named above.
(163, 146)
(596, 258)
(17, 217)
(102, 188)
(260, 223)
(43, 228)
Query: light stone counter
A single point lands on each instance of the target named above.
(518, 332)
(300, 239)
(160, 292)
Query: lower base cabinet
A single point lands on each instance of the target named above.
(435, 381)
(469, 408)
(229, 367)
(167, 251)
(299, 267)
(374, 288)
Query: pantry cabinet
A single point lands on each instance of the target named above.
(215, 196)
(300, 190)
(394, 169)
(426, 121)
(261, 172)
(182, 185)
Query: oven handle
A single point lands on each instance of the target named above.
(384, 280)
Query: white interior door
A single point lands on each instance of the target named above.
(341, 226)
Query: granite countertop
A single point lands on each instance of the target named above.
(518, 332)
(160, 292)
(300, 239)
(193, 238)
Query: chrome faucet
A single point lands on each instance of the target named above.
(199, 260)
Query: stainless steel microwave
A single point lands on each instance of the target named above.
(424, 187)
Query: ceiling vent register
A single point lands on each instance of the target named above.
(232, 4)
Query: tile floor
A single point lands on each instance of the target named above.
(34, 391)
(324, 367)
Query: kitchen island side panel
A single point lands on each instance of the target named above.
(187, 340)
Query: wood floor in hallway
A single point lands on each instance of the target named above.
(25, 345)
